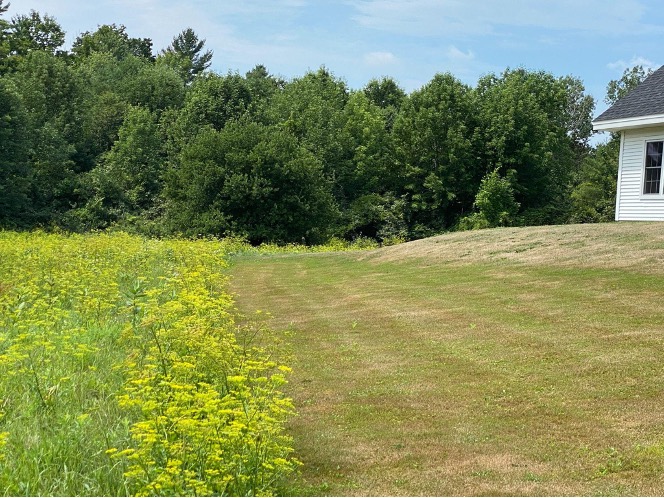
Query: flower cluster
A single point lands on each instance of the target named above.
(210, 411)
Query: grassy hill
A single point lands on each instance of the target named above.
(524, 361)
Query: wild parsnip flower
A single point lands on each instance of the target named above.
(203, 412)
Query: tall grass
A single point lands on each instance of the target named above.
(121, 372)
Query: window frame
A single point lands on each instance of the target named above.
(660, 193)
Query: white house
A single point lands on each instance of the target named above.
(639, 118)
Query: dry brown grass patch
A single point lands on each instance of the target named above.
(607, 245)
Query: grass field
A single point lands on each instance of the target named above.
(508, 361)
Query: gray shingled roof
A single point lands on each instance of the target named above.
(647, 99)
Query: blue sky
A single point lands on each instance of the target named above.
(410, 41)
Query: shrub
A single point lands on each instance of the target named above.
(494, 204)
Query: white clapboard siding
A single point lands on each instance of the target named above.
(631, 204)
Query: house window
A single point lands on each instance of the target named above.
(652, 182)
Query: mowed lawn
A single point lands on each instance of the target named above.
(501, 362)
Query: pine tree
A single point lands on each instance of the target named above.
(186, 52)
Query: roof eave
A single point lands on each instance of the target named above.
(628, 123)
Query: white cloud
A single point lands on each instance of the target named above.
(475, 17)
(161, 20)
(379, 58)
(453, 53)
(620, 65)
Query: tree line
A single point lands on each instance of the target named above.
(111, 134)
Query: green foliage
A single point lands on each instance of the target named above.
(31, 33)
(49, 88)
(495, 200)
(365, 188)
(578, 113)
(387, 95)
(377, 216)
(262, 87)
(249, 179)
(102, 72)
(433, 140)
(128, 179)
(14, 169)
(50, 92)
(114, 41)
(494, 204)
(535, 125)
(53, 176)
(311, 108)
(155, 87)
(108, 85)
(631, 77)
(375, 163)
(4, 38)
(104, 114)
(186, 56)
(213, 100)
(334, 244)
(5, 32)
(594, 196)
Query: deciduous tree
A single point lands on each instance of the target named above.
(594, 196)
(387, 95)
(250, 179)
(113, 40)
(50, 92)
(14, 170)
(531, 130)
(33, 32)
(213, 100)
(312, 108)
(371, 208)
(262, 86)
(433, 139)
(156, 87)
(128, 179)
(4, 37)
(631, 77)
